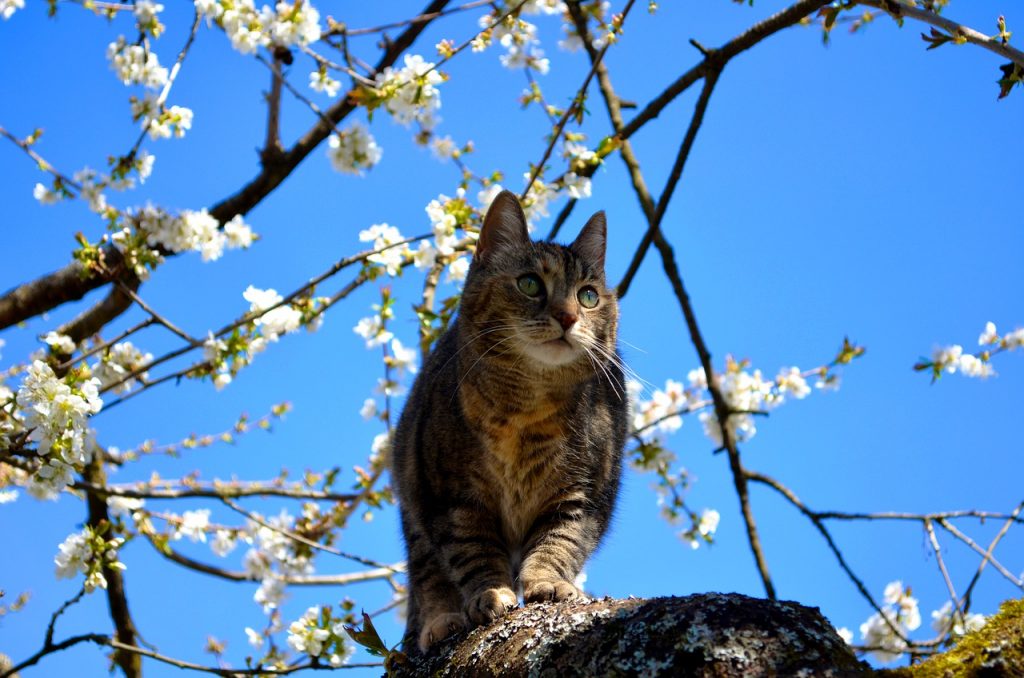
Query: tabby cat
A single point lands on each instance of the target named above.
(507, 458)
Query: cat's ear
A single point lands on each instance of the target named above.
(504, 225)
(590, 243)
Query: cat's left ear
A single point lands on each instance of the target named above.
(590, 243)
(504, 225)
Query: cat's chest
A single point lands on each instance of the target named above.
(525, 460)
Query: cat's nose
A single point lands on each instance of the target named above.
(565, 319)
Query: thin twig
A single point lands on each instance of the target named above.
(949, 527)
(299, 538)
(934, 541)
(214, 492)
(293, 580)
(991, 548)
(819, 524)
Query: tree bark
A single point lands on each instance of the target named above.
(701, 635)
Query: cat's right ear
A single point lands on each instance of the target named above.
(504, 225)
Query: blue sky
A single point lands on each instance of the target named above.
(864, 189)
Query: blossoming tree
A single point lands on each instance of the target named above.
(119, 345)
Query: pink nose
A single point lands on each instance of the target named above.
(565, 319)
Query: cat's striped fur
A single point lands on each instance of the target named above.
(507, 457)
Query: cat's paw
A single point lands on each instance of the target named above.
(440, 627)
(490, 604)
(554, 590)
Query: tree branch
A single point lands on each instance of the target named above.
(740, 43)
(117, 600)
(991, 43)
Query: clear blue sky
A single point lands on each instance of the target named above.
(868, 189)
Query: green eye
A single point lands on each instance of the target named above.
(530, 285)
(588, 297)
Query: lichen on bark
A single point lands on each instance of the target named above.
(700, 635)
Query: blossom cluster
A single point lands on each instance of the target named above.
(517, 35)
(88, 552)
(159, 120)
(287, 24)
(951, 359)
(91, 183)
(270, 318)
(409, 93)
(190, 230)
(117, 363)
(135, 64)
(353, 150)
(885, 631)
(318, 634)
(56, 411)
(746, 392)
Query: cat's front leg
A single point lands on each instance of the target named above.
(478, 564)
(556, 547)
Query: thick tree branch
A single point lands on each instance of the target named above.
(117, 600)
(700, 636)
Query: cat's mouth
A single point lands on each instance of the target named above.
(552, 352)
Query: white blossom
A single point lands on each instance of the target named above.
(792, 382)
(1014, 339)
(369, 409)
(193, 525)
(91, 189)
(254, 637)
(947, 358)
(443, 147)
(8, 496)
(989, 336)
(458, 269)
(136, 65)
(295, 23)
(402, 358)
(59, 343)
(972, 366)
(321, 81)
(304, 634)
(946, 620)
(44, 195)
(411, 92)
(425, 256)
(239, 235)
(8, 7)
(353, 150)
(578, 187)
(57, 413)
(119, 361)
(385, 236)
(877, 632)
(223, 543)
(372, 330)
(281, 320)
(146, 12)
(123, 506)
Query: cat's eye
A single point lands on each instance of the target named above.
(530, 285)
(588, 297)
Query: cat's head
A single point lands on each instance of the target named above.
(541, 304)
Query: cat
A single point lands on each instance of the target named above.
(508, 454)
